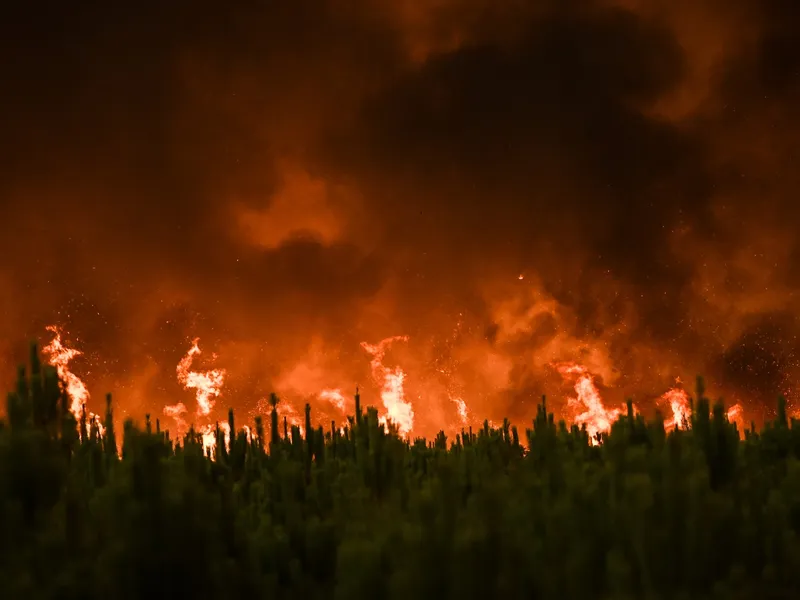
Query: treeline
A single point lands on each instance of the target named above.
(358, 512)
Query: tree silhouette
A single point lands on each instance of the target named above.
(359, 512)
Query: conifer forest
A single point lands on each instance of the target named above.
(357, 511)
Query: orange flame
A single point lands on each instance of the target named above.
(736, 415)
(292, 417)
(679, 404)
(176, 412)
(463, 413)
(335, 397)
(398, 410)
(596, 416)
(209, 434)
(207, 384)
(59, 356)
(678, 400)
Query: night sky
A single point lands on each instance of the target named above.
(507, 183)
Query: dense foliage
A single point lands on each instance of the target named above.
(361, 513)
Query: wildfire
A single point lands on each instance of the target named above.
(177, 412)
(736, 415)
(207, 384)
(596, 416)
(209, 434)
(587, 405)
(463, 413)
(335, 397)
(292, 417)
(59, 356)
(398, 410)
(679, 404)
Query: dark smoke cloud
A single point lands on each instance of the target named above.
(550, 139)
(269, 173)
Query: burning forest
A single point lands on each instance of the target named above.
(585, 408)
(502, 190)
(400, 299)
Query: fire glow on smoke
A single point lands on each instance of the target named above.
(59, 356)
(587, 406)
(639, 224)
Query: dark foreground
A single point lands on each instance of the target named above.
(695, 513)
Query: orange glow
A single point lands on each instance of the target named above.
(207, 384)
(678, 401)
(176, 412)
(335, 397)
(59, 356)
(735, 414)
(305, 382)
(628, 209)
(292, 416)
(463, 411)
(209, 433)
(303, 206)
(590, 410)
(398, 410)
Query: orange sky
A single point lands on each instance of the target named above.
(288, 180)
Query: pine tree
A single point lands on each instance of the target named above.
(275, 436)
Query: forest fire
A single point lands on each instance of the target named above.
(463, 411)
(398, 409)
(585, 409)
(223, 213)
(630, 212)
(678, 401)
(590, 410)
(60, 356)
(680, 406)
(335, 397)
(207, 384)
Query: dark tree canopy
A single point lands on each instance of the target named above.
(358, 512)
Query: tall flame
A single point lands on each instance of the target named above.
(398, 410)
(209, 435)
(335, 397)
(59, 356)
(207, 384)
(678, 401)
(177, 412)
(587, 404)
(735, 415)
(596, 416)
(463, 413)
(292, 417)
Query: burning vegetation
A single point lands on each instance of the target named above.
(586, 408)
(444, 209)
(289, 508)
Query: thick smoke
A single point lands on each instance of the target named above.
(508, 184)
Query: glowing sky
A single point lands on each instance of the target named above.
(287, 180)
